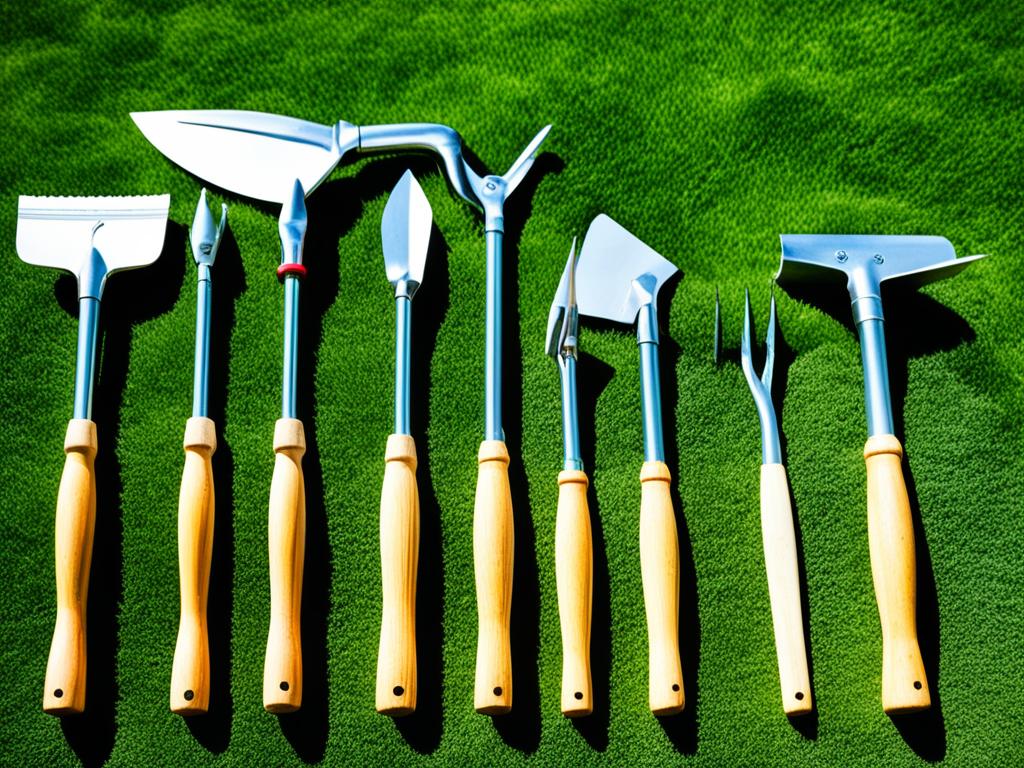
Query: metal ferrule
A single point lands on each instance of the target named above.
(650, 383)
(492, 352)
(200, 384)
(85, 362)
(403, 333)
(570, 422)
(291, 347)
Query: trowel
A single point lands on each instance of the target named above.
(405, 235)
(618, 279)
(863, 263)
(259, 155)
(91, 237)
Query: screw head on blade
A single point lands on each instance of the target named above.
(206, 235)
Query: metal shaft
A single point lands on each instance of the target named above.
(85, 362)
(650, 383)
(291, 346)
(492, 370)
(200, 383)
(570, 423)
(876, 376)
(403, 332)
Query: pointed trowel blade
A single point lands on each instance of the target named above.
(405, 232)
(250, 153)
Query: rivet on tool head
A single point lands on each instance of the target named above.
(879, 258)
(491, 186)
(841, 257)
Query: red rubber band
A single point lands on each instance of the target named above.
(299, 270)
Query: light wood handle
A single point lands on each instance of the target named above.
(282, 670)
(493, 542)
(659, 569)
(399, 558)
(894, 569)
(64, 691)
(190, 674)
(780, 560)
(574, 575)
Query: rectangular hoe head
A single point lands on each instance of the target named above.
(863, 262)
(250, 153)
(67, 232)
(617, 273)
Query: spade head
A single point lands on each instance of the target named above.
(405, 233)
(617, 273)
(863, 262)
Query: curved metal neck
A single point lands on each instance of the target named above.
(85, 362)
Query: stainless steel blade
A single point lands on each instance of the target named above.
(405, 233)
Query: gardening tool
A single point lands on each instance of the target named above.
(865, 261)
(405, 234)
(777, 529)
(190, 675)
(618, 279)
(286, 535)
(574, 549)
(220, 146)
(91, 237)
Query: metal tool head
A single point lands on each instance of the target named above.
(761, 388)
(617, 273)
(254, 154)
(206, 234)
(292, 224)
(863, 262)
(563, 317)
(91, 237)
(405, 234)
(492, 191)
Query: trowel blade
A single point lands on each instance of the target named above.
(405, 231)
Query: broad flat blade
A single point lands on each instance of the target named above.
(62, 231)
(251, 153)
(912, 259)
(405, 231)
(610, 260)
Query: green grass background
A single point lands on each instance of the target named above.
(707, 129)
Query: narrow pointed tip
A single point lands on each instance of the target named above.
(203, 235)
(717, 354)
(293, 209)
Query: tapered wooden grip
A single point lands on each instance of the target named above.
(399, 556)
(659, 569)
(894, 569)
(574, 574)
(780, 560)
(190, 674)
(282, 670)
(493, 543)
(64, 691)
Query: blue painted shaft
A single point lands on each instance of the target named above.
(291, 346)
(85, 362)
(492, 364)
(650, 383)
(403, 333)
(200, 382)
(876, 376)
(570, 423)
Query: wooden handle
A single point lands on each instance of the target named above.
(780, 560)
(190, 675)
(64, 691)
(282, 670)
(399, 558)
(659, 569)
(574, 574)
(894, 569)
(493, 541)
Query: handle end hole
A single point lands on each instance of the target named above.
(284, 685)
(189, 695)
(59, 693)
(917, 684)
(398, 690)
(497, 690)
(578, 695)
(675, 687)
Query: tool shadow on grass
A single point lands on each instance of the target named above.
(132, 297)
(593, 376)
(916, 326)
(333, 210)
(422, 729)
(521, 728)
(213, 730)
